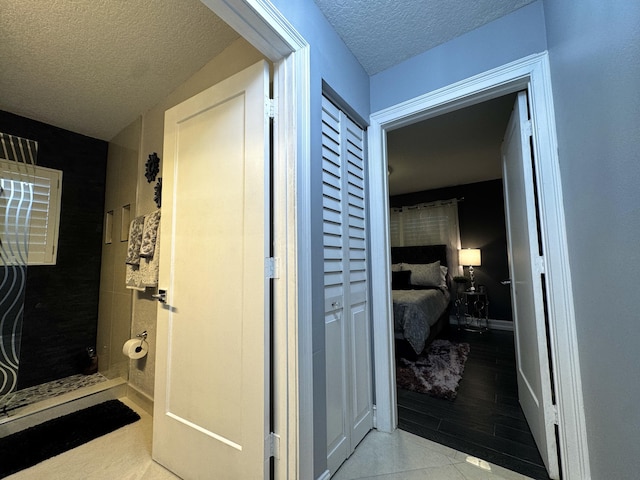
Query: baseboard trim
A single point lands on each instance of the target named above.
(493, 324)
(326, 475)
(140, 398)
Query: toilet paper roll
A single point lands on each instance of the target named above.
(135, 348)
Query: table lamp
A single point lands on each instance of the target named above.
(470, 257)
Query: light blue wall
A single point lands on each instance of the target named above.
(594, 50)
(332, 62)
(509, 38)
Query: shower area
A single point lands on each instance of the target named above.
(52, 194)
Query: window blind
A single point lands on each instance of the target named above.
(39, 210)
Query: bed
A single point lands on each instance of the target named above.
(421, 298)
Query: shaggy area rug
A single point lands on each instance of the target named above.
(437, 372)
(33, 445)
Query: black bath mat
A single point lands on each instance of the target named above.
(33, 445)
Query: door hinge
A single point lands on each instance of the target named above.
(527, 128)
(556, 419)
(539, 264)
(375, 416)
(271, 107)
(273, 446)
(271, 269)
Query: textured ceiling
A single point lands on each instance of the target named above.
(453, 149)
(92, 66)
(383, 33)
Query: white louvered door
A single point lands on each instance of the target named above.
(347, 330)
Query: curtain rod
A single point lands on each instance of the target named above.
(435, 203)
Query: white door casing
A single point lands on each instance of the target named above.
(527, 295)
(530, 73)
(212, 372)
(347, 332)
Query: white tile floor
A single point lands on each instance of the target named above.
(126, 455)
(403, 456)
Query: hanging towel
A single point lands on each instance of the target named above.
(135, 241)
(149, 234)
(134, 278)
(149, 267)
(138, 277)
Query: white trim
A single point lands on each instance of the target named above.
(531, 73)
(260, 23)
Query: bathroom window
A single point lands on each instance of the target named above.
(41, 189)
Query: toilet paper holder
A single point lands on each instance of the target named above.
(142, 336)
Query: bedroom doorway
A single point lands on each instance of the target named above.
(485, 419)
(529, 74)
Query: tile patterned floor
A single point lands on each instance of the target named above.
(35, 394)
(403, 456)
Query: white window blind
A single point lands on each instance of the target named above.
(32, 194)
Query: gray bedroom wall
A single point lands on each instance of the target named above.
(594, 50)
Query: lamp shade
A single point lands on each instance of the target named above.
(469, 257)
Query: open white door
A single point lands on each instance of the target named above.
(211, 413)
(527, 294)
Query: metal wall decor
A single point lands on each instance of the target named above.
(152, 167)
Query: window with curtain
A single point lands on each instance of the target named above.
(431, 223)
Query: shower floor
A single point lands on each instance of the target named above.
(45, 391)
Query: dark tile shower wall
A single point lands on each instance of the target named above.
(61, 301)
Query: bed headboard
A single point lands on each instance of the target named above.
(419, 254)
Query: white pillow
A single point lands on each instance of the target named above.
(396, 267)
(443, 276)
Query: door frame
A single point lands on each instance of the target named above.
(262, 25)
(532, 74)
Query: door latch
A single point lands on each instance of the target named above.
(161, 296)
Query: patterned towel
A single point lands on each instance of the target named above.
(135, 241)
(149, 234)
(139, 277)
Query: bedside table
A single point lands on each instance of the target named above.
(475, 308)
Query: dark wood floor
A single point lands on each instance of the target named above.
(485, 420)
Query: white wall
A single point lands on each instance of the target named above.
(594, 50)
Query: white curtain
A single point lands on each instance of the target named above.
(432, 223)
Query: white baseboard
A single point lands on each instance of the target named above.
(140, 398)
(325, 475)
(493, 324)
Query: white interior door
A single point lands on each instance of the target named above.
(211, 409)
(347, 328)
(526, 269)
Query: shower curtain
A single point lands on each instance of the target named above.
(17, 159)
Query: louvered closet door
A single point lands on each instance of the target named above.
(347, 332)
